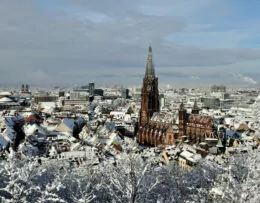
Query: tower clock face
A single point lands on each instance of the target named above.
(148, 88)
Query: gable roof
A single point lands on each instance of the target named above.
(165, 117)
(5, 99)
(3, 142)
(199, 119)
(66, 125)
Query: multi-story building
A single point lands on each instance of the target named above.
(161, 101)
(125, 93)
(218, 88)
(211, 102)
(25, 88)
(91, 87)
(45, 98)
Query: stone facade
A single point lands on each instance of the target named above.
(155, 134)
(150, 93)
(157, 129)
(198, 128)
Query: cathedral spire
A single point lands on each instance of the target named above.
(149, 71)
(195, 109)
(150, 92)
(195, 105)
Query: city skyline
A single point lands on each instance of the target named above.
(195, 43)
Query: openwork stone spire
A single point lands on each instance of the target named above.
(149, 71)
(150, 92)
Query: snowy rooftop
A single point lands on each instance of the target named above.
(166, 117)
(190, 156)
(5, 99)
(199, 119)
(5, 93)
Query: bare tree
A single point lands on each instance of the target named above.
(125, 179)
(24, 181)
(240, 181)
(52, 181)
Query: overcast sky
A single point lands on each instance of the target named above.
(67, 42)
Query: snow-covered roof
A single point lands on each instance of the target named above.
(203, 120)
(213, 150)
(3, 142)
(29, 150)
(5, 93)
(9, 134)
(167, 117)
(48, 107)
(72, 154)
(110, 126)
(5, 99)
(229, 120)
(211, 139)
(30, 129)
(217, 191)
(67, 125)
(190, 156)
(185, 154)
(48, 104)
(240, 126)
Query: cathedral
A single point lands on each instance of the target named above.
(161, 128)
(150, 92)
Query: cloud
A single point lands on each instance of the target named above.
(193, 77)
(173, 74)
(107, 76)
(244, 78)
(68, 42)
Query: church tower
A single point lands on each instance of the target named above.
(182, 121)
(150, 92)
(195, 109)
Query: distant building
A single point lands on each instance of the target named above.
(220, 95)
(125, 93)
(61, 93)
(7, 101)
(45, 98)
(79, 95)
(211, 102)
(75, 102)
(218, 88)
(25, 89)
(136, 94)
(22, 88)
(99, 92)
(161, 101)
(84, 87)
(86, 92)
(91, 89)
(5, 94)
